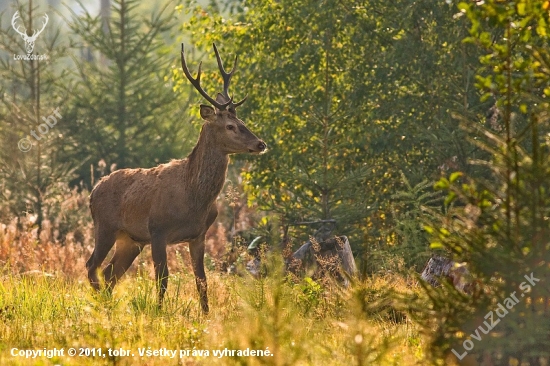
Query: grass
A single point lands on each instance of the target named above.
(47, 303)
(297, 326)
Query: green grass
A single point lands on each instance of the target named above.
(300, 324)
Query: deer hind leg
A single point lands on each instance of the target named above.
(126, 250)
(196, 249)
(104, 241)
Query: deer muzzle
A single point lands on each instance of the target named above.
(259, 148)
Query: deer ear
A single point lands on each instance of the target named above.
(208, 113)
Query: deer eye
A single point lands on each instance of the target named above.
(230, 127)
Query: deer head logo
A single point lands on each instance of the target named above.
(29, 40)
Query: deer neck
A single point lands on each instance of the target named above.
(207, 166)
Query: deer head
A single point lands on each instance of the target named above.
(232, 134)
(29, 40)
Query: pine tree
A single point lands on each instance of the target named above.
(32, 173)
(125, 111)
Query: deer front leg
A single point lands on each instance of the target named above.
(196, 249)
(158, 249)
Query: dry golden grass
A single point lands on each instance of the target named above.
(46, 302)
(22, 251)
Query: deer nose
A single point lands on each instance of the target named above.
(262, 146)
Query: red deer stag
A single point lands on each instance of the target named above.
(173, 202)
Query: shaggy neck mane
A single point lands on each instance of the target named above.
(207, 167)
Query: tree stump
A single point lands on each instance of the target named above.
(331, 256)
(440, 267)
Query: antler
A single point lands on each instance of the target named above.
(13, 20)
(35, 32)
(227, 76)
(197, 83)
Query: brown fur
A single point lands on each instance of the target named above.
(171, 203)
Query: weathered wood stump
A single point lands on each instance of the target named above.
(440, 267)
(331, 256)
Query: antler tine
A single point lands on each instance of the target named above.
(197, 83)
(227, 75)
(240, 102)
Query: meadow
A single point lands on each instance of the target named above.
(46, 303)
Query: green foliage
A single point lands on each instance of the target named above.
(499, 226)
(412, 208)
(314, 162)
(311, 293)
(346, 98)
